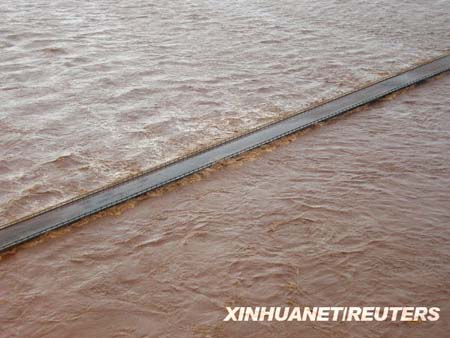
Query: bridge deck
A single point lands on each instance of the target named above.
(74, 210)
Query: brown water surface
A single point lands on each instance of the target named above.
(355, 212)
(93, 90)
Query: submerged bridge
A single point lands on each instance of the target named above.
(73, 210)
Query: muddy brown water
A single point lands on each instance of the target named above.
(354, 212)
(92, 91)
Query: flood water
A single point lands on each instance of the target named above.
(92, 91)
(353, 212)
